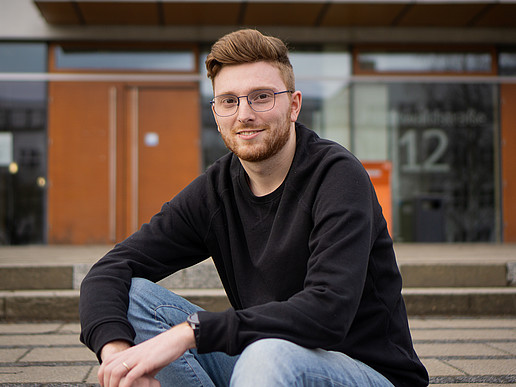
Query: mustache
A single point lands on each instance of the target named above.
(243, 127)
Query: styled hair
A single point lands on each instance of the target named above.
(249, 46)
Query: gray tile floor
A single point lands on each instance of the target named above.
(456, 351)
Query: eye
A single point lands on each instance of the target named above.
(261, 96)
(228, 100)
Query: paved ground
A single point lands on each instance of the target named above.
(457, 352)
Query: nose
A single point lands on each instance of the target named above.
(245, 113)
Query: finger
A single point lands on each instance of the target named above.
(113, 374)
(132, 376)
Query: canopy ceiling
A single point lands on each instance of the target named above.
(380, 13)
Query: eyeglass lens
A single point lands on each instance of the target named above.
(258, 100)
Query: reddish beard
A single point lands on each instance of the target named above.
(274, 139)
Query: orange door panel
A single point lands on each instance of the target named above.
(164, 147)
(78, 163)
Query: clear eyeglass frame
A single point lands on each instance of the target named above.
(260, 101)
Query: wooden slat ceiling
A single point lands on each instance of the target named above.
(395, 13)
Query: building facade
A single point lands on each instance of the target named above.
(104, 108)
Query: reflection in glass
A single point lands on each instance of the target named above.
(425, 62)
(507, 63)
(443, 156)
(124, 59)
(23, 57)
(22, 197)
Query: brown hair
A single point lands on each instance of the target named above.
(248, 46)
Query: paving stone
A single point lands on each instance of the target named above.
(59, 355)
(436, 367)
(456, 349)
(461, 322)
(45, 374)
(509, 347)
(474, 385)
(11, 355)
(464, 334)
(418, 322)
(442, 344)
(70, 328)
(92, 376)
(485, 366)
(11, 328)
(39, 340)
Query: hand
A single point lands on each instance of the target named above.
(137, 366)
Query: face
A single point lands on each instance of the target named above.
(256, 136)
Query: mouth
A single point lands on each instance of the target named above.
(249, 134)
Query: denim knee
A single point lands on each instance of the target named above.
(274, 362)
(154, 309)
(265, 363)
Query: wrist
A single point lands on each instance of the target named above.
(113, 347)
(184, 333)
(193, 322)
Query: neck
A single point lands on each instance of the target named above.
(267, 175)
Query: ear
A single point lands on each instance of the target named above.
(215, 117)
(295, 105)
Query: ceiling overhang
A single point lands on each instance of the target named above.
(380, 13)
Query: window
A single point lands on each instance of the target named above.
(23, 116)
(385, 62)
(130, 59)
(507, 63)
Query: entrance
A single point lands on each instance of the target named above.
(117, 152)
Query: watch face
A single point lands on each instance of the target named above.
(193, 319)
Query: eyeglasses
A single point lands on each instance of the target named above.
(226, 105)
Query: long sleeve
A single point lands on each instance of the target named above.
(169, 242)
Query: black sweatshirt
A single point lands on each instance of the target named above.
(311, 263)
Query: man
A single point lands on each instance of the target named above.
(299, 241)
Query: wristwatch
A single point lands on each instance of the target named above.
(193, 321)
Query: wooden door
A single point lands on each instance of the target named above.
(116, 154)
(78, 168)
(164, 147)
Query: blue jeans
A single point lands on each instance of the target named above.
(268, 362)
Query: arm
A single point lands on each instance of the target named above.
(170, 242)
(144, 360)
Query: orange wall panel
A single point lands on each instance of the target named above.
(508, 149)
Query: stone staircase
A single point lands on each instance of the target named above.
(42, 283)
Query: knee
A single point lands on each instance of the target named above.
(149, 299)
(266, 362)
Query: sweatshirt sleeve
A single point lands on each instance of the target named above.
(169, 242)
(340, 239)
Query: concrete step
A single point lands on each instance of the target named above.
(204, 275)
(62, 305)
